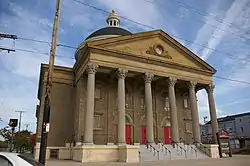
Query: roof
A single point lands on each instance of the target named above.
(109, 31)
(230, 118)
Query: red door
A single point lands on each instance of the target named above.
(167, 136)
(143, 135)
(127, 133)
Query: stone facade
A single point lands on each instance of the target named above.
(127, 81)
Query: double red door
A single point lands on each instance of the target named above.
(127, 133)
(167, 135)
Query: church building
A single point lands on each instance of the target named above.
(127, 88)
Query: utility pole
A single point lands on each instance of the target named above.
(27, 126)
(20, 119)
(7, 36)
(205, 119)
(47, 102)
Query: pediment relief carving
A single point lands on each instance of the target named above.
(158, 50)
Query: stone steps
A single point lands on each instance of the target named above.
(189, 152)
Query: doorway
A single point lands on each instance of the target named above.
(143, 135)
(167, 136)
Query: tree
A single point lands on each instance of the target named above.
(6, 134)
(22, 141)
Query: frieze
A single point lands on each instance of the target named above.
(158, 50)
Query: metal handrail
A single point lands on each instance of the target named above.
(155, 150)
(166, 149)
(190, 147)
(182, 149)
(194, 150)
(185, 143)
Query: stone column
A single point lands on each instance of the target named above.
(149, 108)
(121, 74)
(194, 112)
(89, 115)
(212, 110)
(173, 111)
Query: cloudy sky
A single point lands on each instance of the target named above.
(217, 31)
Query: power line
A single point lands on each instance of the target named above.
(72, 47)
(233, 80)
(41, 53)
(31, 51)
(150, 27)
(187, 6)
(216, 27)
(46, 42)
(7, 36)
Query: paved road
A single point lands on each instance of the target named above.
(236, 160)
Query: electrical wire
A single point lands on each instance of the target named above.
(150, 27)
(47, 54)
(216, 27)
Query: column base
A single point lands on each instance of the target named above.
(78, 143)
(88, 143)
(121, 144)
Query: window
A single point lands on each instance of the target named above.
(142, 99)
(4, 161)
(142, 102)
(97, 121)
(166, 104)
(127, 99)
(114, 23)
(241, 129)
(97, 93)
(185, 103)
(188, 127)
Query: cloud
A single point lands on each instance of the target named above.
(129, 9)
(211, 36)
(19, 70)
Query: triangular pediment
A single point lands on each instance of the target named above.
(154, 45)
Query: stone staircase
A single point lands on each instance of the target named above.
(165, 152)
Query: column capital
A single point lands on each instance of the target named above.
(171, 81)
(92, 68)
(192, 85)
(148, 77)
(210, 88)
(121, 73)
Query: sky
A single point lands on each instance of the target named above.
(216, 31)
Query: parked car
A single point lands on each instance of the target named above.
(16, 159)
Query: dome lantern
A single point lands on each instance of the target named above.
(113, 20)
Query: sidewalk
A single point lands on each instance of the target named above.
(236, 160)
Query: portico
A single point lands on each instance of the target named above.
(120, 74)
